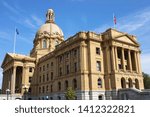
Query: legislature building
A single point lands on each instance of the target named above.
(97, 66)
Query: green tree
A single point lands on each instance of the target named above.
(70, 94)
(146, 81)
(0, 91)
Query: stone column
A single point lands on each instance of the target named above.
(116, 58)
(139, 62)
(113, 58)
(123, 64)
(24, 68)
(136, 64)
(6, 80)
(13, 80)
(129, 59)
(8, 85)
(82, 56)
(3, 83)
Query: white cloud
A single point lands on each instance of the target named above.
(29, 23)
(10, 7)
(37, 20)
(135, 21)
(138, 24)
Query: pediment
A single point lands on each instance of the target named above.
(126, 39)
(7, 59)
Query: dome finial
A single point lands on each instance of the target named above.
(50, 16)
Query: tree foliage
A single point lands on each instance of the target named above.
(146, 80)
(70, 94)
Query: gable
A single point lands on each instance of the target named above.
(126, 39)
(7, 59)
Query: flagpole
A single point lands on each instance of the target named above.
(113, 21)
(15, 41)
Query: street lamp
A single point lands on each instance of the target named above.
(7, 93)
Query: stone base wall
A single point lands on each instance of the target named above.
(11, 97)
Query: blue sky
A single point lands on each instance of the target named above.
(133, 16)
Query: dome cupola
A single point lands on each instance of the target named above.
(48, 36)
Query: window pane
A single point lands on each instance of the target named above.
(44, 44)
(98, 65)
(98, 51)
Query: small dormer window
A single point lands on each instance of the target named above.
(44, 44)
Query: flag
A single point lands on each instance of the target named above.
(115, 20)
(17, 32)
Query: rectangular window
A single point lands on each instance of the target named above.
(98, 65)
(60, 71)
(51, 75)
(67, 55)
(39, 89)
(30, 69)
(97, 50)
(43, 67)
(75, 52)
(43, 78)
(47, 77)
(51, 88)
(43, 89)
(40, 69)
(120, 66)
(30, 79)
(75, 67)
(60, 59)
(51, 64)
(47, 88)
(67, 68)
(47, 65)
(40, 79)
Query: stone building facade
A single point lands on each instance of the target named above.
(96, 66)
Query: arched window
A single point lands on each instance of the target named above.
(136, 84)
(130, 83)
(44, 44)
(100, 97)
(123, 83)
(66, 85)
(59, 86)
(99, 83)
(74, 84)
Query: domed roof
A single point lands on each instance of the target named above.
(50, 27)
